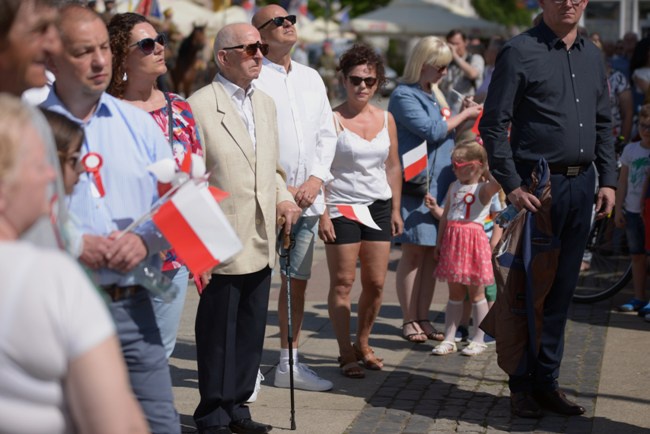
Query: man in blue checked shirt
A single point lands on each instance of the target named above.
(121, 141)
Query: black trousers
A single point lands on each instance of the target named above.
(230, 323)
(573, 199)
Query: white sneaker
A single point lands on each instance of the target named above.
(303, 378)
(473, 349)
(258, 386)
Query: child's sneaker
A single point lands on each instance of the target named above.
(632, 306)
(644, 310)
(462, 334)
(473, 349)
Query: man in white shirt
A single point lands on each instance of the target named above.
(307, 146)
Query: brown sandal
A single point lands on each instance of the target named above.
(435, 334)
(351, 369)
(368, 358)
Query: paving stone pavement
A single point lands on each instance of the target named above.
(418, 393)
(453, 393)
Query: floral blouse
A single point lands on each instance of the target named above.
(186, 140)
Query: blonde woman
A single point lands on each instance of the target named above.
(420, 117)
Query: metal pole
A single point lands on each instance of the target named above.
(288, 244)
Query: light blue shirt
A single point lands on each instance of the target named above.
(128, 140)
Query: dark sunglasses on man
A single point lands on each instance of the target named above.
(148, 45)
(279, 21)
(251, 49)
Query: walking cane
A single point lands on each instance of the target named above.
(287, 244)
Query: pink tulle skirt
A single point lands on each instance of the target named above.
(465, 255)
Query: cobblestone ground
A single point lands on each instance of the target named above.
(431, 394)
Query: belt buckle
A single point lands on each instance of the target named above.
(573, 170)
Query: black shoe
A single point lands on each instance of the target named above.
(215, 430)
(522, 404)
(249, 426)
(556, 401)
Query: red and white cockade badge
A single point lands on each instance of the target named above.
(92, 162)
(469, 199)
(445, 112)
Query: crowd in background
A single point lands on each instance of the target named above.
(121, 92)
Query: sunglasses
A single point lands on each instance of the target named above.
(356, 81)
(459, 165)
(279, 21)
(148, 45)
(251, 49)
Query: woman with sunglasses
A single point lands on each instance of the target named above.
(138, 60)
(423, 117)
(365, 171)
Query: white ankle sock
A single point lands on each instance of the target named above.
(479, 310)
(284, 359)
(452, 318)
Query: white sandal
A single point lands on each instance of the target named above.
(473, 349)
(444, 348)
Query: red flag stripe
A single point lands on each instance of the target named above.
(180, 234)
(414, 168)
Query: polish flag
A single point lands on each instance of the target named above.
(193, 223)
(358, 213)
(415, 161)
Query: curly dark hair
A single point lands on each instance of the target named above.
(362, 54)
(119, 32)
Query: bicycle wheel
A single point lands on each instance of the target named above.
(610, 268)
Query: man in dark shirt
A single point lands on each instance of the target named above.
(550, 87)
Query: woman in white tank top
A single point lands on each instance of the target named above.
(365, 171)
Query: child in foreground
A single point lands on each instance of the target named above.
(463, 250)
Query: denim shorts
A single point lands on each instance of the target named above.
(305, 232)
(635, 232)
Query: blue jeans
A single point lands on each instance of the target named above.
(146, 362)
(168, 315)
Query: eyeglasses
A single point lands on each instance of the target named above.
(356, 81)
(573, 2)
(148, 45)
(251, 49)
(279, 21)
(459, 165)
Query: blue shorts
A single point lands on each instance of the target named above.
(305, 232)
(635, 232)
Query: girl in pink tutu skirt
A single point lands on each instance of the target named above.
(463, 250)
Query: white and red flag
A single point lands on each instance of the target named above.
(358, 213)
(415, 161)
(193, 223)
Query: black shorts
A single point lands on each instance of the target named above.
(348, 231)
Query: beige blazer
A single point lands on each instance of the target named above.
(253, 178)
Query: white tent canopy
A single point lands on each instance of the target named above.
(319, 30)
(410, 18)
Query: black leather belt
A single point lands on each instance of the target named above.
(117, 293)
(570, 171)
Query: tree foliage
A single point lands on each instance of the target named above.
(507, 12)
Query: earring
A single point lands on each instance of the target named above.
(125, 77)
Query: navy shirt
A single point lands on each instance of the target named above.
(557, 102)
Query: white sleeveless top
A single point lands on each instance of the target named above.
(465, 204)
(359, 169)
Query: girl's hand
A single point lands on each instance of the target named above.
(472, 111)
(430, 201)
(326, 229)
